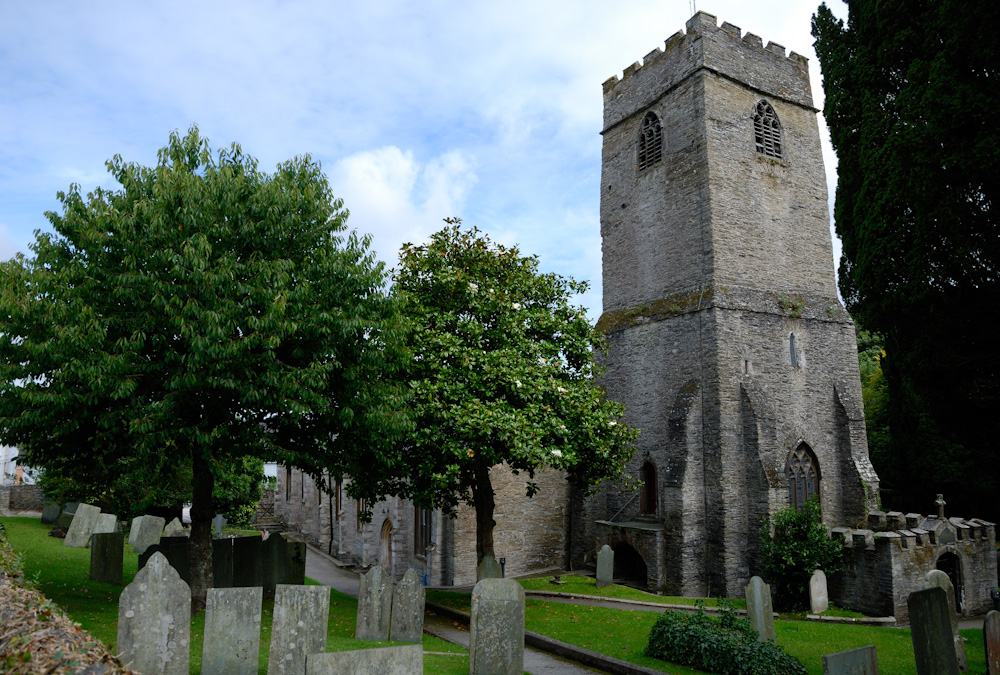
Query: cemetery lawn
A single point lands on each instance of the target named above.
(62, 574)
(576, 584)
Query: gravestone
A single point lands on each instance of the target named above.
(295, 572)
(174, 528)
(402, 660)
(819, 597)
(374, 605)
(407, 624)
(759, 609)
(991, 636)
(84, 522)
(247, 568)
(70, 507)
(860, 661)
(496, 631)
(106, 557)
(218, 523)
(605, 566)
(301, 615)
(930, 630)
(488, 568)
(148, 553)
(222, 562)
(148, 532)
(50, 513)
(274, 562)
(154, 620)
(175, 549)
(232, 631)
(133, 529)
(939, 579)
(64, 520)
(106, 522)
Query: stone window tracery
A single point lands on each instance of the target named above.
(767, 131)
(802, 472)
(650, 147)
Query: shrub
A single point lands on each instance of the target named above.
(727, 645)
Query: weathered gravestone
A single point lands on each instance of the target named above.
(930, 630)
(939, 579)
(148, 553)
(403, 660)
(133, 529)
(282, 562)
(374, 605)
(496, 631)
(408, 599)
(154, 620)
(65, 519)
(860, 661)
(295, 572)
(247, 566)
(174, 529)
(148, 531)
(222, 562)
(106, 522)
(488, 568)
(50, 513)
(84, 522)
(991, 636)
(106, 555)
(232, 631)
(301, 615)
(819, 597)
(218, 523)
(759, 609)
(605, 566)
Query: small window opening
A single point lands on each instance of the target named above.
(767, 131)
(746, 366)
(302, 486)
(650, 142)
(647, 494)
(793, 351)
(288, 483)
(802, 472)
(421, 530)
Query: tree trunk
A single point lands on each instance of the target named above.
(482, 499)
(200, 544)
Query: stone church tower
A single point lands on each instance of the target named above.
(727, 341)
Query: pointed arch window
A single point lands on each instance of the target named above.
(650, 147)
(802, 471)
(767, 131)
(648, 491)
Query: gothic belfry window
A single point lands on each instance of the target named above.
(767, 131)
(802, 471)
(650, 149)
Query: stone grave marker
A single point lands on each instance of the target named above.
(106, 522)
(176, 551)
(107, 551)
(296, 562)
(84, 522)
(819, 597)
(930, 630)
(148, 553)
(50, 513)
(133, 529)
(218, 523)
(148, 532)
(402, 660)
(407, 624)
(154, 620)
(247, 567)
(274, 562)
(991, 636)
(174, 528)
(65, 519)
(70, 507)
(374, 605)
(759, 609)
(496, 631)
(232, 631)
(222, 562)
(943, 581)
(605, 566)
(489, 568)
(301, 615)
(860, 661)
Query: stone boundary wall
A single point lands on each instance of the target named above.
(21, 500)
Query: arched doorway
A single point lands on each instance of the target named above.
(385, 546)
(950, 564)
(629, 566)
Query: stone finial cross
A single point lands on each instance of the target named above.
(940, 504)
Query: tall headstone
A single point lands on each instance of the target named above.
(134, 529)
(154, 620)
(247, 567)
(148, 532)
(84, 522)
(402, 660)
(991, 638)
(295, 571)
(232, 631)
(222, 562)
(819, 597)
(860, 661)
(176, 551)
(488, 568)
(274, 562)
(106, 557)
(605, 566)
(50, 513)
(301, 615)
(374, 605)
(759, 609)
(940, 579)
(496, 631)
(407, 624)
(930, 630)
(174, 529)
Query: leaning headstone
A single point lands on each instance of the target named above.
(374, 605)
(154, 620)
(274, 562)
(991, 636)
(819, 597)
(605, 566)
(247, 569)
(301, 615)
(759, 609)
(403, 660)
(65, 519)
(496, 631)
(174, 529)
(222, 562)
(148, 532)
(407, 623)
(84, 522)
(134, 529)
(488, 568)
(930, 630)
(860, 661)
(941, 580)
(106, 555)
(106, 522)
(295, 570)
(232, 631)
(50, 513)
(218, 523)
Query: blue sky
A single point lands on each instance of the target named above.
(417, 111)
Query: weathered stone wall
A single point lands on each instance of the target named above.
(17, 499)
(302, 506)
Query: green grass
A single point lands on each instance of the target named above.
(576, 584)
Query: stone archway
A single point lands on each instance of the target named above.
(630, 566)
(385, 546)
(951, 564)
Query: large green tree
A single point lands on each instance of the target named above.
(502, 374)
(913, 105)
(203, 313)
